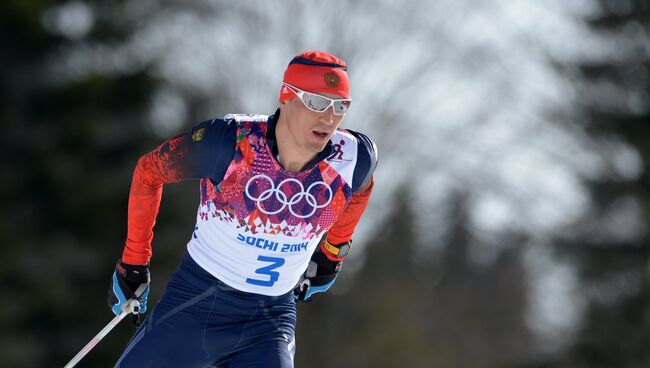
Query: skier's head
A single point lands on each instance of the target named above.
(313, 101)
(316, 72)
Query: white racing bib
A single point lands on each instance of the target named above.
(257, 229)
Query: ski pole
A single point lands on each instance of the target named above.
(133, 306)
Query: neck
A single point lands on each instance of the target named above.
(290, 155)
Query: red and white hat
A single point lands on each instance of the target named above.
(316, 72)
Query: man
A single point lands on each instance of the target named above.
(280, 197)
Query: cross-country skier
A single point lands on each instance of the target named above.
(280, 197)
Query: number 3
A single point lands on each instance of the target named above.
(268, 271)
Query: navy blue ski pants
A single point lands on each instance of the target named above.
(201, 322)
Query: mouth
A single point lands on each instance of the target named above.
(320, 134)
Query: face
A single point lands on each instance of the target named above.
(308, 129)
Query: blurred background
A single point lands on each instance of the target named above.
(509, 222)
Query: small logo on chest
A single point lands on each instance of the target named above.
(337, 154)
(198, 134)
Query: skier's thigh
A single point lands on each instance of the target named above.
(166, 341)
(277, 353)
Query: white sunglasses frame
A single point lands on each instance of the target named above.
(301, 93)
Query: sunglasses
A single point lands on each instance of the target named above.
(318, 103)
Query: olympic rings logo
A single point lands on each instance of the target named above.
(281, 197)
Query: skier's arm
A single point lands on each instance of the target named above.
(340, 234)
(203, 152)
(328, 258)
(198, 153)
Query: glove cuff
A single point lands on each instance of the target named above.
(335, 252)
(133, 275)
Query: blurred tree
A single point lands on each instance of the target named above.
(68, 150)
(413, 309)
(611, 248)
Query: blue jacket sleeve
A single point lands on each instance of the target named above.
(205, 151)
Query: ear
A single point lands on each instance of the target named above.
(285, 103)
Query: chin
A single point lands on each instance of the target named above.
(316, 147)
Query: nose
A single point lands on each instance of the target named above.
(328, 115)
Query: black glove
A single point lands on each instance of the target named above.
(320, 275)
(124, 285)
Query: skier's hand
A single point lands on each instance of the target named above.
(320, 275)
(124, 283)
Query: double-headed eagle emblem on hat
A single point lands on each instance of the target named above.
(332, 79)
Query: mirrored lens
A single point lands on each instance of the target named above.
(341, 107)
(315, 102)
